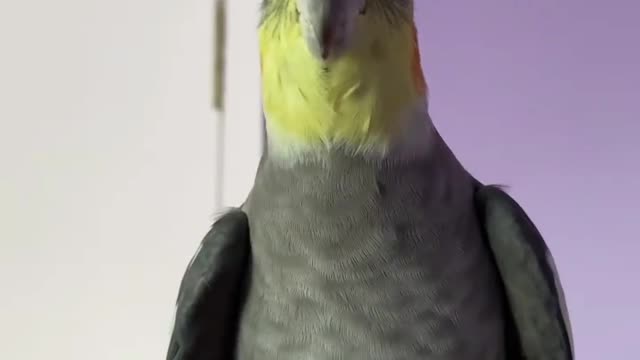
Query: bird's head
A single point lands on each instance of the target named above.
(330, 28)
(339, 72)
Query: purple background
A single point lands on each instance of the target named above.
(542, 96)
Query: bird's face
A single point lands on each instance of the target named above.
(330, 27)
(339, 72)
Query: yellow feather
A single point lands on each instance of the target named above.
(361, 100)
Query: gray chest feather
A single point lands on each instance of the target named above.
(357, 260)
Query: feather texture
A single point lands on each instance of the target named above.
(370, 260)
(360, 100)
(211, 293)
(530, 278)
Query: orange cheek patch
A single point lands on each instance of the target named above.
(418, 76)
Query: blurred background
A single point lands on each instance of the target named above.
(109, 146)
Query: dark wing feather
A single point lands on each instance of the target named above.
(529, 275)
(212, 293)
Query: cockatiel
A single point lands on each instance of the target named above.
(363, 237)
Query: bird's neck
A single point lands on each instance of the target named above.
(362, 101)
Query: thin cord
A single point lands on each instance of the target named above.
(219, 57)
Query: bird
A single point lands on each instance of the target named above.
(363, 237)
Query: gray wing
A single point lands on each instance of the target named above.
(212, 293)
(530, 279)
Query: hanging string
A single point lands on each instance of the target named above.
(219, 56)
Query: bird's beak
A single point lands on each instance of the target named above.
(327, 25)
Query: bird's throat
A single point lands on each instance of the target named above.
(361, 100)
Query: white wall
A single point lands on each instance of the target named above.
(106, 167)
(243, 124)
